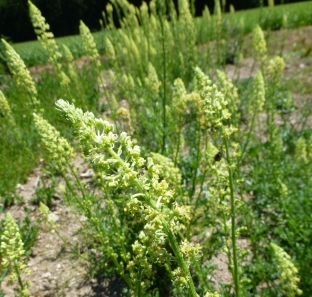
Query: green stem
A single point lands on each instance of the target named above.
(192, 220)
(95, 225)
(248, 138)
(200, 188)
(233, 223)
(74, 173)
(198, 153)
(139, 287)
(178, 148)
(164, 102)
(176, 250)
(18, 276)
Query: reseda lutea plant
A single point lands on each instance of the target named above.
(140, 197)
(158, 220)
(132, 189)
(13, 256)
(119, 165)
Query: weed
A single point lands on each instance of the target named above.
(185, 164)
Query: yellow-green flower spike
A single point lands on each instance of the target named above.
(5, 110)
(276, 66)
(89, 44)
(257, 100)
(21, 74)
(58, 148)
(288, 272)
(301, 150)
(259, 44)
(12, 253)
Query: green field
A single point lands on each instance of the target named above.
(298, 14)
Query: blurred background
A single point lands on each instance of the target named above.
(64, 15)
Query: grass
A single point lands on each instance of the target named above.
(272, 18)
(298, 14)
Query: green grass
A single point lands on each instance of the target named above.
(32, 52)
(298, 14)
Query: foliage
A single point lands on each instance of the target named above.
(187, 163)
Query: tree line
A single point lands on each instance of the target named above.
(64, 15)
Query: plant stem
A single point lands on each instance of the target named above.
(18, 276)
(175, 247)
(178, 148)
(88, 213)
(248, 138)
(197, 160)
(138, 285)
(233, 224)
(164, 101)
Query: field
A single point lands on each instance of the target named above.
(177, 163)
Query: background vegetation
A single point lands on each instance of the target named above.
(64, 15)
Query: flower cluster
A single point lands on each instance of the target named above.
(309, 148)
(146, 197)
(287, 271)
(109, 11)
(5, 110)
(259, 44)
(44, 35)
(188, 33)
(109, 49)
(47, 41)
(69, 59)
(230, 92)
(301, 150)
(89, 44)
(178, 97)
(276, 66)
(167, 170)
(58, 148)
(215, 102)
(152, 82)
(124, 118)
(12, 253)
(46, 217)
(38, 21)
(21, 74)
(206, 13)
(258, 94)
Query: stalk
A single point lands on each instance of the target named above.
(164, 101)
(248, 137)
(197, 161)
(175, 247)
(138, 285)
(200, 191)
(96, 226)
(233, 224)
(178, 148)
(18, 276)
